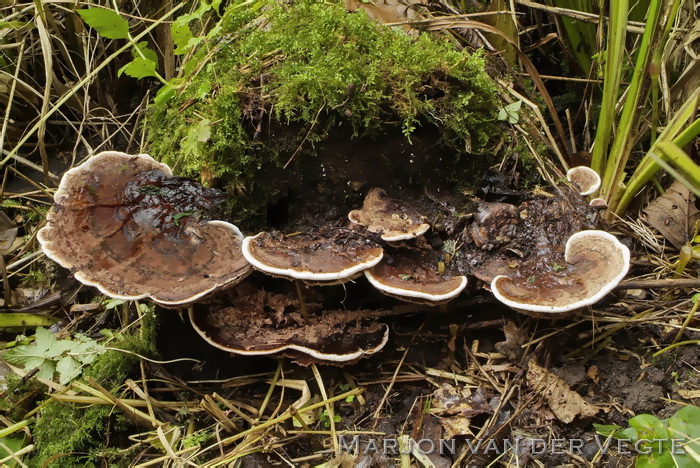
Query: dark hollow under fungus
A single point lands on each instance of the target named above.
(252, 321)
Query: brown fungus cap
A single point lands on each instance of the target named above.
(256, 322)
(413, 276)
(324, 257)
(381, 215)
(585, 178)
(124, 224)
(594, 263)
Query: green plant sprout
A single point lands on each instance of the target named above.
(51, 356)
(661, 443)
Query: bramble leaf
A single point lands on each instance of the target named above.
(107, 23)
(139, 68)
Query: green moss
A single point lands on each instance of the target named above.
(264, 86)
(76, 433)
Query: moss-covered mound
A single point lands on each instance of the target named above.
(271, 85)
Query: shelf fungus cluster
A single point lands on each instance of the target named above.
(124, 224)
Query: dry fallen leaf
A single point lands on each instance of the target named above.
(593, 373)
(689, 394)
(455, 407)
(565, 403)
(515, 338)
(8, 232)
(674, 214)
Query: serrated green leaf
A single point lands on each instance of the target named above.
(44, 340)
(107, 23)
(68, 368)
(199, 133)
(139, 68)
(58, 348)
(25, 356)
(181, 33)
(148, 53)
(46, 370)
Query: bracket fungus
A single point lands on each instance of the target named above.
(256, 322)
(415, 277)
(381, 215)
(323, 258)
(587, 180)
(124, 224)
(594, 263)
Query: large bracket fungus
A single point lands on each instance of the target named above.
(381, 215)
(414, 276)
(256, 322)
(324, 258)
(124, 224)
(594, 263)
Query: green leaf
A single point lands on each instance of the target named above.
(107, 23)
(199, 133)
(648, 427)
(685, 424)
(24, 356)
(148, 53)
(46, 370)
(510, 112)
(44, 340)
(139, 68)
(112, 303)
(181, 33)
(606, 429)
(14, 443)
(68, 368)
(58, 348)
(167, 92)
(179, 216)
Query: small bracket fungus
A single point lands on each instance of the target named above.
(585, 178)
(256, 322)
(413, 276)
(594, 263)
(599, 204)
(323, 258)
(124, 224)
(381, 215)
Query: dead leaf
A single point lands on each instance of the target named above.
(674, 214)
(8, 232)
(594, 373)
(515, 338)
(565, 403)
(454, 407)
(689, 394)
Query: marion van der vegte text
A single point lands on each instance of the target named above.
(394, 446)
